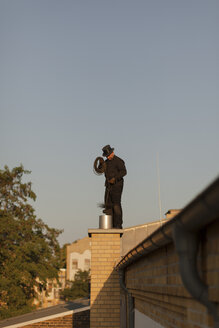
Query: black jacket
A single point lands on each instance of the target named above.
(115, 168)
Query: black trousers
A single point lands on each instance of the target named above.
(112, 198)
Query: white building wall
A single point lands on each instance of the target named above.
(143, 321)
(81, 262)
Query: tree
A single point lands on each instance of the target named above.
(29, 250)
(80, 287)
(63, 251)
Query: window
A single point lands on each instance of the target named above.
(74, 264)
(86, 264)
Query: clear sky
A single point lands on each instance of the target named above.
(142, 76)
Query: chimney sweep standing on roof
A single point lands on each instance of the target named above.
(114, 170)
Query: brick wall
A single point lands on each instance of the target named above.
(81, 319)
(64, 321)
(76, 320)
(105, 288)
(155, 283)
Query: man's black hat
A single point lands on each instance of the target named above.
(107, 150)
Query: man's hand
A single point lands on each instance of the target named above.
(112, 181)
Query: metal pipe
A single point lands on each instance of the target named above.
(129, 303)
(187, 245)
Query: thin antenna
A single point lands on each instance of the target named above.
(158, 182)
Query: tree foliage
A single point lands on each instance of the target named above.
(80, 287)
(29, 250)
(63, 252)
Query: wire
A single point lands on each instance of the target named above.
(99, 166)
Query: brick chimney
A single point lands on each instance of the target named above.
(105, 288)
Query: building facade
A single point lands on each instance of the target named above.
(78, 257)
(50, 296)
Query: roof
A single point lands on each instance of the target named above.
(200, 212)
(46, 313)
(79, 246)
(147, 224)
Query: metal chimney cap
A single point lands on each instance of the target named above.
(105, 221)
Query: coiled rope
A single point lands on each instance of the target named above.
(99, 166)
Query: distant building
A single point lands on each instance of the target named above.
(62, 278)
(78, 257)
(51, 294)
